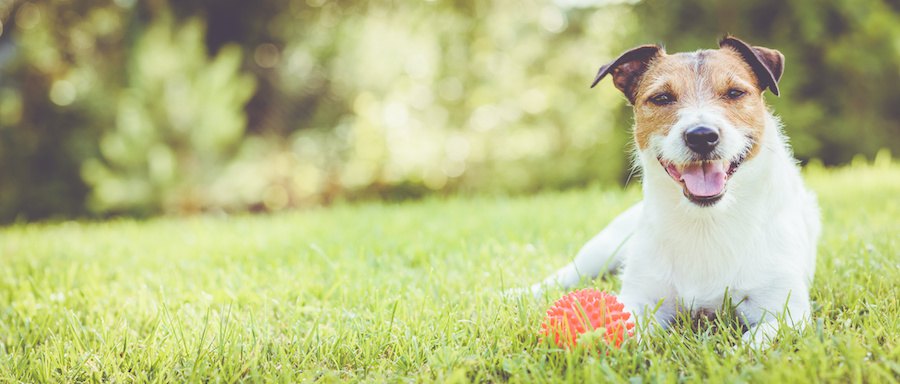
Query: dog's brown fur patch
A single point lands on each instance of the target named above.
(699, 78)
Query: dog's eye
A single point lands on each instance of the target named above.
(664, 98)
(735, 93)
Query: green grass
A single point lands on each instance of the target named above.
(409, 292)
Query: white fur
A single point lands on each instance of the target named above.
(732, 140)
(758, 242)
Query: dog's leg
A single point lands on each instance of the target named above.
(795, 313)
(649, 302)
(602, 253)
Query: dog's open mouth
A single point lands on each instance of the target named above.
(702, 182)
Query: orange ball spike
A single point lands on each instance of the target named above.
(583, 311)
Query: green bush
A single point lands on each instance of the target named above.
(179, 121)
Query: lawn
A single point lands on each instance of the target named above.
(410, 292)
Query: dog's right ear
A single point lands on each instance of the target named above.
(628, 68)
(766, 63)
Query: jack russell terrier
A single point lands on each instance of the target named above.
(725, 211)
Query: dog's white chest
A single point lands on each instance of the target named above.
(699, 267)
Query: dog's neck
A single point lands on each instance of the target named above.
(762, 184)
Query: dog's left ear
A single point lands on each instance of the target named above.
(627, 69)
(767, 64)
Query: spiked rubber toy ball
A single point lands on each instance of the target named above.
(587, 311)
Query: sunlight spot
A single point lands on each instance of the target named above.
(28, 16)
(552, 19)
(395, 114)
(534, 101)
(485, 118)
(452, 168)
(275, 198)
(62, 93)
(266, 55)
(457, 148)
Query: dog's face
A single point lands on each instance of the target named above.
(700, 114)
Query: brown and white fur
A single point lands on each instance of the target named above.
(732, 217)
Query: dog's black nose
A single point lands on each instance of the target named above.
(701, 139)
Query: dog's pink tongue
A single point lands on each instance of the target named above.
(705, 179)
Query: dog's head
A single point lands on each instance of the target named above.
(700, 114)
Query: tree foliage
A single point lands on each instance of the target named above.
(178, 123)
(129, 107)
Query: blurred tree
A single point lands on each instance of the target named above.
(157, 106)
(416, 97)
(178, 123)
(58, 71)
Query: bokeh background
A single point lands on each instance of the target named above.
(128, 107)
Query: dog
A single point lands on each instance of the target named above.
(725, 212)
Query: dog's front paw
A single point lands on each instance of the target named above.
(761, 336)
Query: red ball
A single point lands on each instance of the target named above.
(587, 310)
